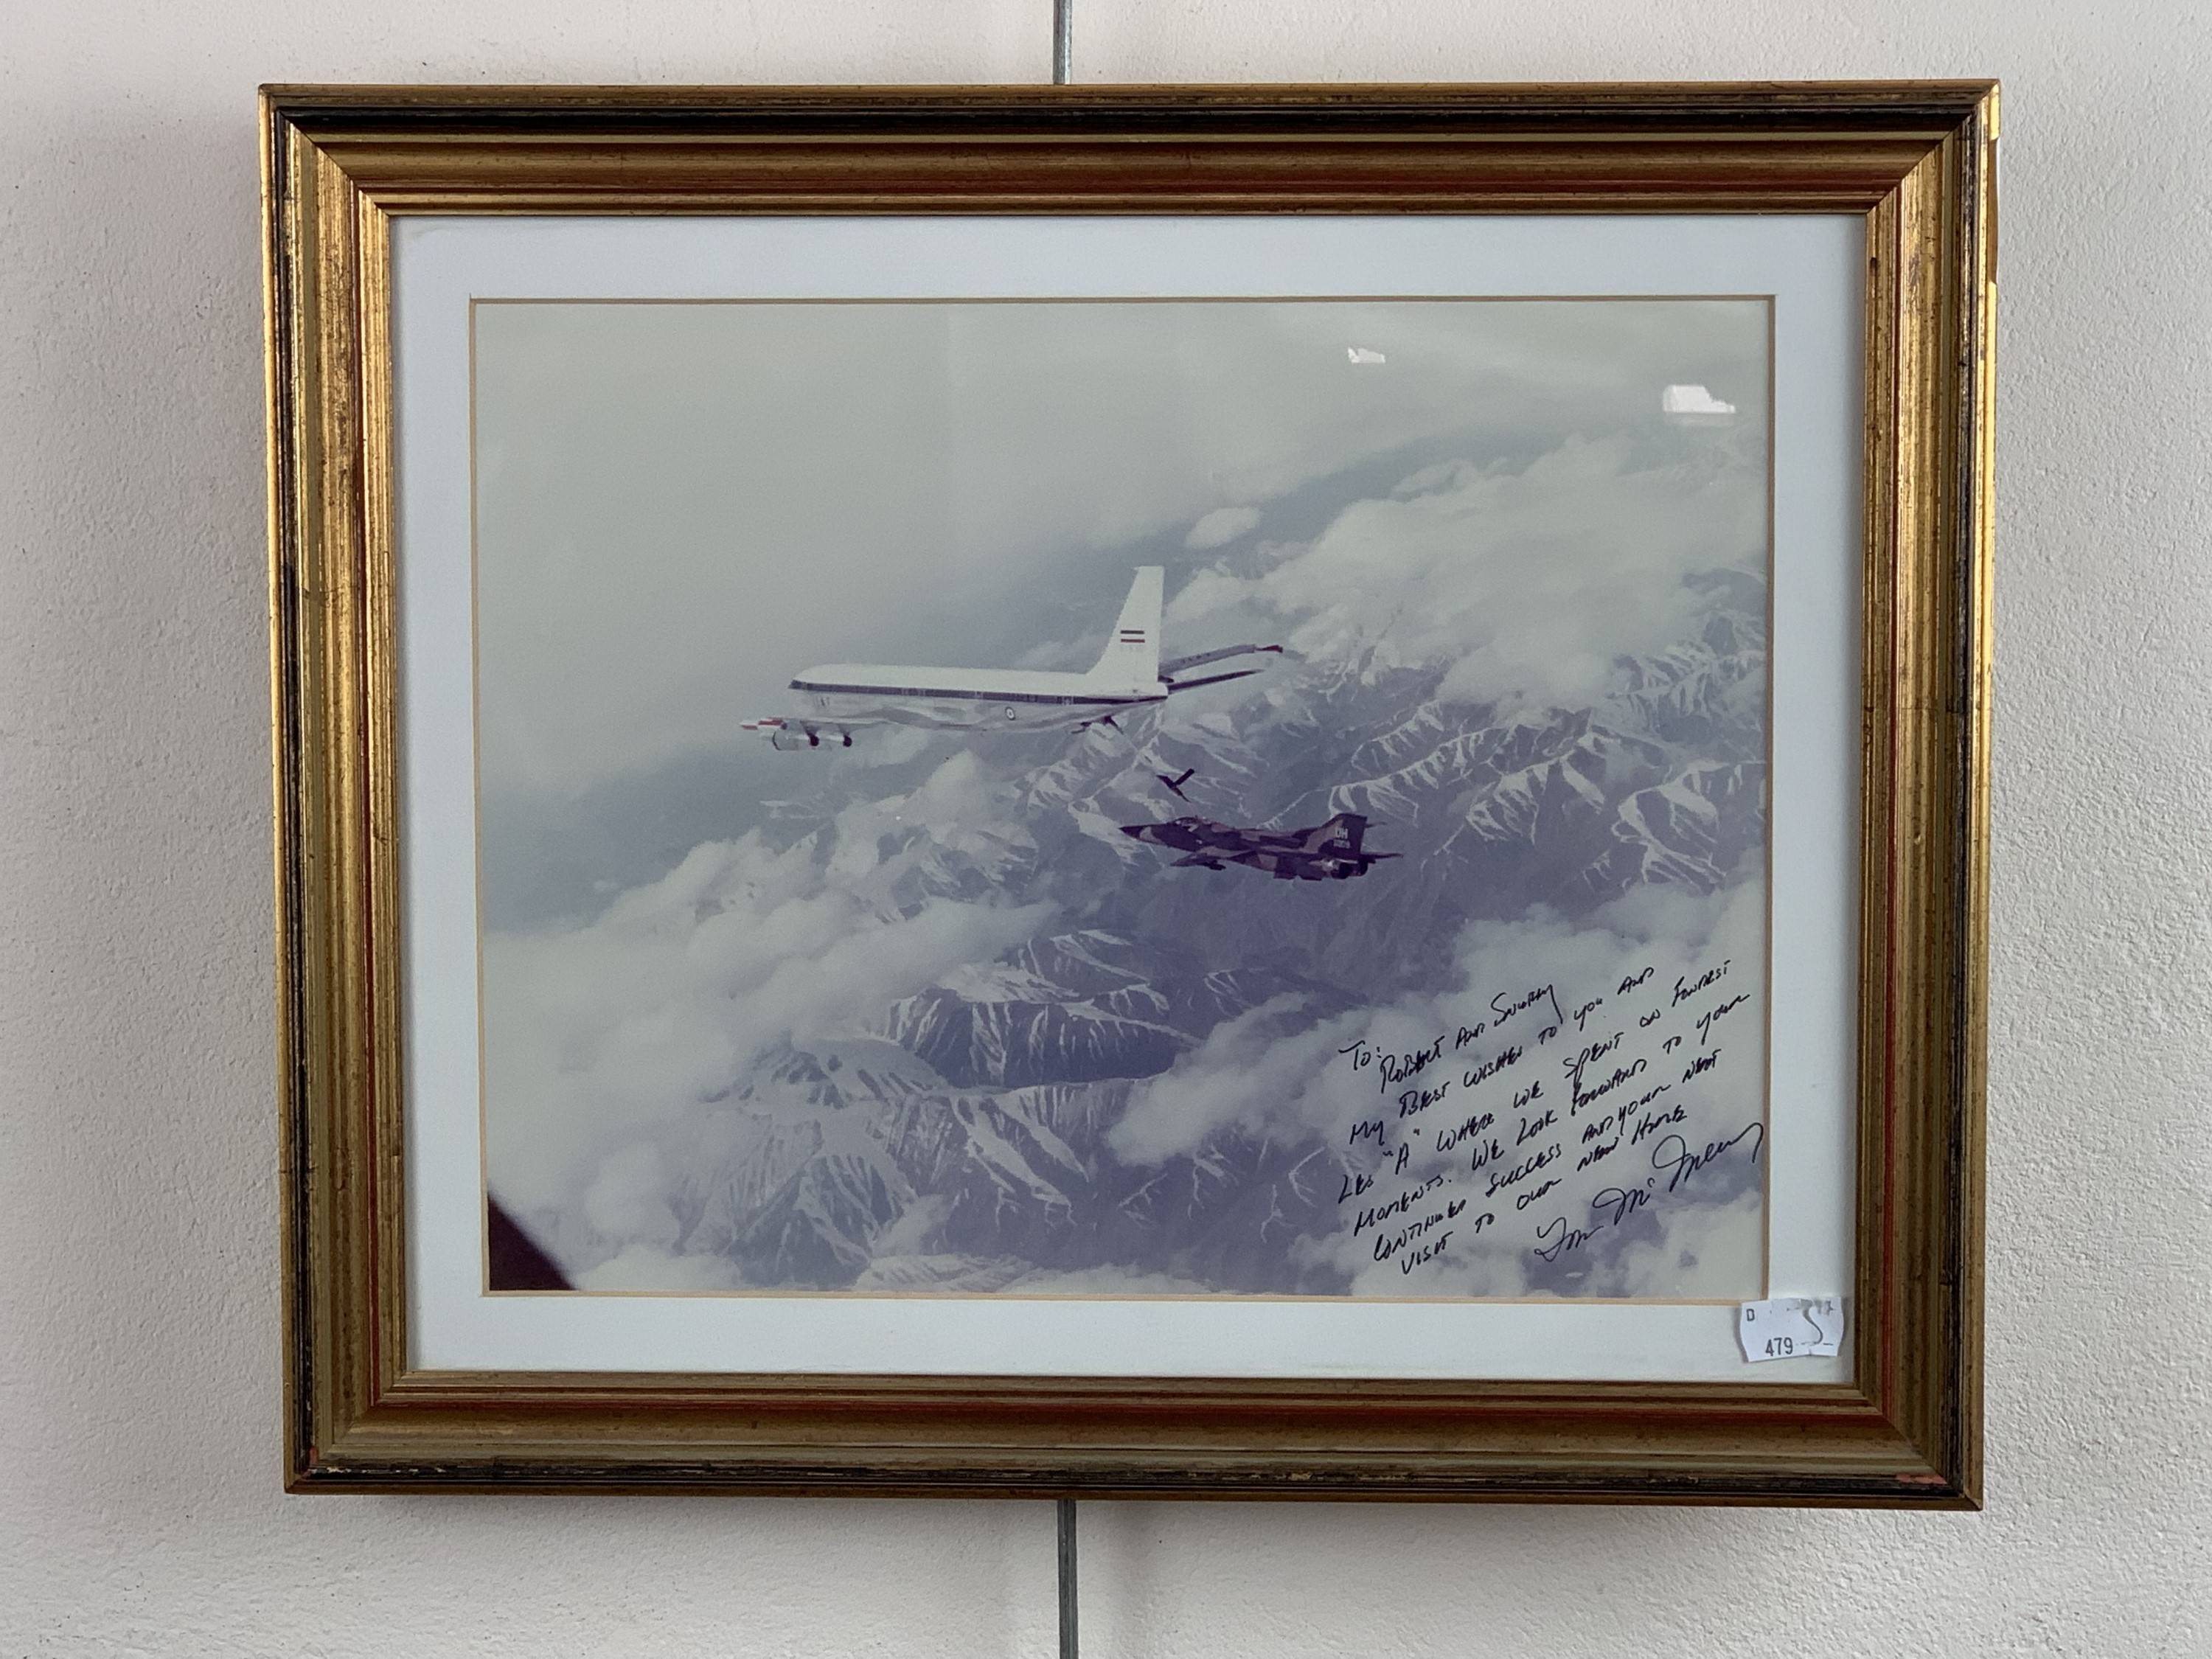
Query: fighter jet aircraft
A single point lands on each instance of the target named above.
(837, 699)
(1326, 852)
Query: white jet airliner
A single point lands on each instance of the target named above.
(837, 699)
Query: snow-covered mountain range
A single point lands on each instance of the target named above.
(959, 1137)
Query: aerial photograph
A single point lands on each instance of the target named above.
(1160, 799)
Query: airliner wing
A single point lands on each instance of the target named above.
(1210, 679)
(1175, 666)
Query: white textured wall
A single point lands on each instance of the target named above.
(139, 1510)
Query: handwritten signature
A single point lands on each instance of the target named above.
(1673, 1158)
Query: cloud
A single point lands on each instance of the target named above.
(1528, 584)
(597, 1037)
(1221, 526)
(1692, 400)
(883, 746)
(1256, 1068)
(1699, 1253)
(624, 1200)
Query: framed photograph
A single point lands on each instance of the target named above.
(1270, 791)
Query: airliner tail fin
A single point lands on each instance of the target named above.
(1132, 658)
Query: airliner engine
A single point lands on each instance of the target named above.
(785, 734)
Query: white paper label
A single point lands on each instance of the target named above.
(1791, 1328)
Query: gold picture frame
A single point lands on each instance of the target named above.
(1916, 161)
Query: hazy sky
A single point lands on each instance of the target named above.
(680, 506)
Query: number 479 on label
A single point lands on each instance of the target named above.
(1791, 1328)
